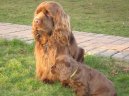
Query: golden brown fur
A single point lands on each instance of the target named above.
(52, 33)
(83, 79)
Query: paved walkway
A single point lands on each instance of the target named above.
(95, 44)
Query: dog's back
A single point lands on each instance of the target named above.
(98, 84)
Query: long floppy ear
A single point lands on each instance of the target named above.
(61, 20)
(62, 26)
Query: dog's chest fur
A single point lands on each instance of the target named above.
(46, 56)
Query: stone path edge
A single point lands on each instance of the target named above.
(94, 44)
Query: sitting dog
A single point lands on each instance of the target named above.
(53, 36)
(84, 80)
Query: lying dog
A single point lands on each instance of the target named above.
(84, 80)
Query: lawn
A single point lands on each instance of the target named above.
(99, 16)
(17, 72)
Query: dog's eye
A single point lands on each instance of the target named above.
(47, 14)
(67, 64)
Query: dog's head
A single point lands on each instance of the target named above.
(50, 18)
(62, 67)
(65, 67)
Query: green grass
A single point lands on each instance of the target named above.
(99, 16)
(17, 72)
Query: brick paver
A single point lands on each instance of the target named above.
(94, 44)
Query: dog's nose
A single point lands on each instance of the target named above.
(37, 21)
